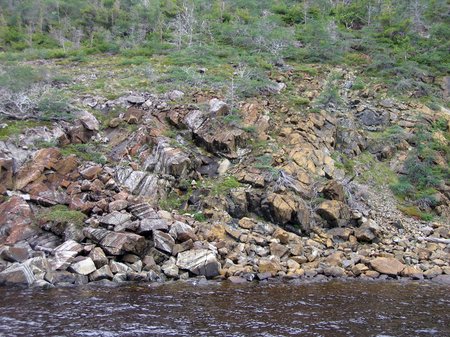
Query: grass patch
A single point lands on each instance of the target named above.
(415, 212)
(62, 214)
(15, 128)
(86, 152)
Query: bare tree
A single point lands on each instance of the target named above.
(185, 23)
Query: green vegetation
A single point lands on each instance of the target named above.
(86, 152)
(62, 214)
(14, 128)
(426, 168)
(223, 186)
(404, 43)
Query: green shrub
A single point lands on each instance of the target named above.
(20, 77)
(54, 105)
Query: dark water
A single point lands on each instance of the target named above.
(222, 309)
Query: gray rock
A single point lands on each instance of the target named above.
(334, 271)
(62, 259)
(118, 267)
(264, 228)
(104, 273)
(135, 99)
(60, 277)
(170, 268)
(195, 119)
(69, 245)
(83, 267)
(17, 274)
(199, 262)
(116, 243)
(175, 95)
(14, 254)
(115, 218)
(218, 107)
(163, 241)
(181, 232)
(98, 256)
(150, 225)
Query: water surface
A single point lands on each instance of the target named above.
(223, 309)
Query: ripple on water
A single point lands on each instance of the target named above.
(325, 309)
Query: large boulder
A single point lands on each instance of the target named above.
(84, 266)
(115, 218)
(116, 243)
(15, 220)
(199, 262)
(43, 159)
(387, 265)
(163, 241)
(17, 274)
(335, 212)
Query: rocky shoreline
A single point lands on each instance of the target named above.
(66, 221)
(158, 246)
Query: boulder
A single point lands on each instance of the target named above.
(387, 265)
(98, 256)
(89, 121)
(334, 191)
(91, 172)
(103, 273)
(218, 107)
(163, 241)
(150, 225)
(15, 254)
(135, 99)
(335, 212)
(85, 266)
(17, 274)
(43, 159)
(268, 265)
(115, 218)
(181, 232)
(116, 243)
(15, 220)
(170, 268)
(199, 262)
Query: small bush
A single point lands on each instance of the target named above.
(54, 105)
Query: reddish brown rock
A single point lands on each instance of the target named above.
(43, 159)
(91, 173)
(15, 220)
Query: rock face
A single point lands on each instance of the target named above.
(199, 262)
(389, 266)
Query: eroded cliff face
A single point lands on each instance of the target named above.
(186, 185)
